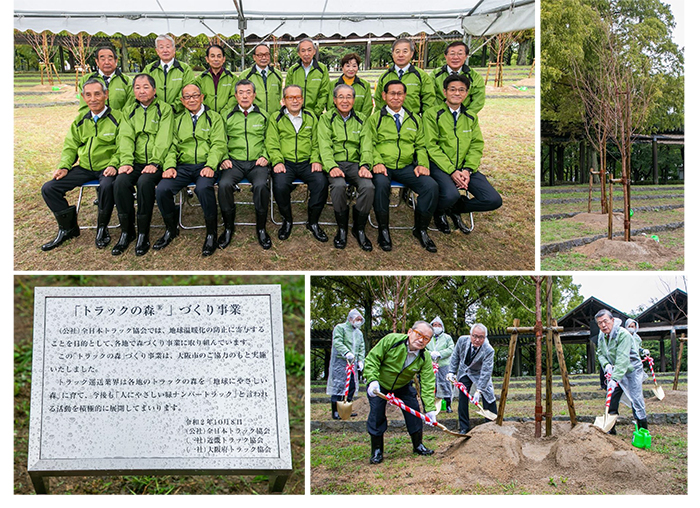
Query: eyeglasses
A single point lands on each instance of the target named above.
(262, 55)
(455, 90)
(421, 336)
(292, 97)
(478, 337)
(245, 92)
(193, 96)
(396, 94)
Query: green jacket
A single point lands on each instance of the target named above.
(206, 143)
(363, 95)
(384, 363)
(474, 102)
(121, 93)
(340, 140)
(268, 95)
(420, 90)
(451, 146)
(285, 144)
(394, 149)
(246, 134)
(92, 145)
(146, 134)
(614, 349)
(443, 345)
(343, 342)
(221, 98)
(315, 86)
(179, 75)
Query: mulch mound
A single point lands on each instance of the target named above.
(639, 250)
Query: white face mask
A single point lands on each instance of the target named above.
(438, 330)
(356, 324)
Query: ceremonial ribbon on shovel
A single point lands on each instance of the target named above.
(483, 412)
(658, 391)
(395, 401)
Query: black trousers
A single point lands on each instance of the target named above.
(145, 190)
(615, 402)
(463, 409)
(54, 191)
(257, 175)
(484, 197)
(282, 186)
(187, 174)
(351, 392)
(376, 421)
(424, 186)
(365, 188)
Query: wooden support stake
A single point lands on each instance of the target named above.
(548, 385)
(682, 340)
(538, 356)
(564, 376)
(506, 374)
(590, 190)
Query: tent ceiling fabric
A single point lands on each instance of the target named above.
(327, 17)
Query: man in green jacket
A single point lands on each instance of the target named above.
(311, 76)
(267, 80)
(144, 140)
(118, 84)
(217, 83)
(389, 368)
(171, 74)
(398, 153)
(197, 149)
(350, 64)
(246, 126)
(420, 94)
(455, 146)
(340, 142)
(618, 355)
(292, 145)
(92, 144)
(456, 55)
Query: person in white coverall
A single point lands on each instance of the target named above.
(440, 349)
(348, 347)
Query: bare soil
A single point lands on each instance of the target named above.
(640, 249)
(597, 219)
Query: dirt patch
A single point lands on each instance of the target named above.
(596, 219)
(640, 249)
(65, 92)
(673, 400)
(526, 82)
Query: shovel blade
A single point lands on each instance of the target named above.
(605, 422)
(344, 410)
(659, 392)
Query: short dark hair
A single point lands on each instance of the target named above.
(95, 81)
(150, 79)
(350, 56)
(261, 45)
(244, 82)
(105, 47)
(457, 43)
(394, 82)
(456, 77)
(211, 46)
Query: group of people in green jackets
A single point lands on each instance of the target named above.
(166, 128)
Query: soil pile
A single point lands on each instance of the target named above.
(673, 400)
(640, 249)
(65, 93)
(597, 219)
(527, 82)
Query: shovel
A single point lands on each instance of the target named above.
(401, 404)
(658, 391)
(345, 407)
(479, 409)
(607, 421)
(438, 403)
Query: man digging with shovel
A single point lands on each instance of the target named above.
(472, 361)
(389, 370)
(347, 353)
(618, 354)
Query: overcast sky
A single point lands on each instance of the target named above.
(677, 8)
(626, 292)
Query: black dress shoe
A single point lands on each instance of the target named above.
(67, 228)
(441, 223)
(418, 447)
(377, 450)
(459, 224)
(122, 244)
(318, 233)
(285, 230)
(424, 240)
(143, 244)
(264, 239)
(384, 239)
(165, 240)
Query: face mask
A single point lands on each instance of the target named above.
(356, 324)
(437, 330)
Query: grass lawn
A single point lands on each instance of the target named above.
(507, 235)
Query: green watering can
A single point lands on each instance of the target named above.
(641, 438)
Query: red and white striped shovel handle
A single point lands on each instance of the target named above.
(464, 390)
(610, 390)
(651, 367)
(435, 368)
(392, 399)
(349, 369)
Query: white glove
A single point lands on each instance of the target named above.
(611, 385)
(361, 365)
(432, 416)
(435, 356)
(349, 356)
(451, 377)
(373, 389)
(477, 397)
(645, 352)
(608, 369)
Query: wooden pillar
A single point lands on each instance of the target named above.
(548, 385)
(662, 354)
(674, 348)
(61, 58)
(551, 165)
(368, 55)
(125, 56)
(591, 362)
(518, 361)
(655, 159)
(560, 162)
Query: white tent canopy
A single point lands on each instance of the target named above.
(278, 17)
